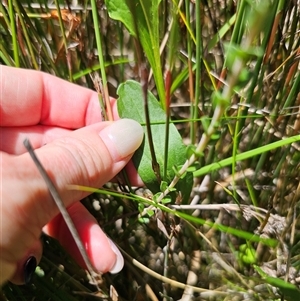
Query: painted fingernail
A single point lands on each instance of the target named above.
(122, 137)
(118, 266)
(29, 269)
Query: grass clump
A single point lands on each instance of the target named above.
(227, 75)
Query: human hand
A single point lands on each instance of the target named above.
(61, 120)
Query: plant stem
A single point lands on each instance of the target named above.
(28, 42)
(194, 106)
(227, 93)
(101, 61)
(13, 33)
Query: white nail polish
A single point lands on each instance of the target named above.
(118, 266)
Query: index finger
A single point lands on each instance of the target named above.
(29, 97)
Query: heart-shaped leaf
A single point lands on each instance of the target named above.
(131, 105)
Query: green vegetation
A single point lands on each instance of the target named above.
(220, 221)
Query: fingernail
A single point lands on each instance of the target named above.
(118, 266)
(29, 269)
(122, 137)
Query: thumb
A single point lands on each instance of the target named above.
(90, 156)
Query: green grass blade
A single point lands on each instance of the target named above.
(13, 33)
(246, 155)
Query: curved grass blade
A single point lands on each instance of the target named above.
(248, 236)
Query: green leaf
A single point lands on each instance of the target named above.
(131, 105)
(141, 207)
(166, 200)
(289, 290)
(163, 185)
(247, 254)
(150, 212)
(144, 220)
(119, 10)
(141, 17)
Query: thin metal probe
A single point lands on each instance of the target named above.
(59, 203)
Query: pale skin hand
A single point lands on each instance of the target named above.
(62, 122)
